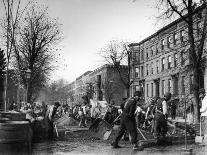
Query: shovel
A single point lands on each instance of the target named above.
(56, 131)
(108, 133)
(199, 139)
(104, 129)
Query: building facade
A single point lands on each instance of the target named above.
(158, 63)
(103, 83)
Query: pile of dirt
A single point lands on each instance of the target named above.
(66, 121)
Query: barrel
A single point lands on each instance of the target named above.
(39, 130)
(15, 136)
(13, 116)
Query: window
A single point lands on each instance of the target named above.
(175, 38)
(142, 71)
(157, 66)
(152, 50)
(169, 85)
(156, 49)
(137, 88)
(191, 83)
(162, 44)
(175, 81)
(175, 59)
(152, 90)
(142, 54)
(163, 64)
(147, 54)
(136, 72)
(147, 90)
(182, 35)
(183, 84)
(152, 68)
(201, 80)
(168, 42)
(182, 58)
(163, 87)
(141, 86)
(169, 62)
(147, 68)
(136, 56)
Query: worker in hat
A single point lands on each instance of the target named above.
(203, 112)
(160, 118)
(128, 121)
(49, 118)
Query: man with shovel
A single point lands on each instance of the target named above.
(128, 121)
(160, 119)
(49, 119)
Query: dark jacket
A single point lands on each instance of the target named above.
(159, 104)
(130, 107)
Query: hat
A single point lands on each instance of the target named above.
(137, 93)
(202, 91)
(124, 98)
(57, 104)
(167, 95)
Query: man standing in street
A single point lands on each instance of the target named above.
(49, 118)
(160, 122)
(203, 111)
(128, 121)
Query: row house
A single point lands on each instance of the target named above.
(103, 83)
(158, 62)
(77, 89)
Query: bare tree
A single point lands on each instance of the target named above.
(57, 91)
(190, 11)
(9, 25)
(34, 48)
(110, 88)
(117, 54)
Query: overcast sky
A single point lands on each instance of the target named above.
(88, 25)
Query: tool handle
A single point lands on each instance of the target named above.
(56, 131)
(141, 134)
(200, 125)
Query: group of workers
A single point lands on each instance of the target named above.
(129, 122)
(158, 110)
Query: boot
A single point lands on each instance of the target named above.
(115, 145)
(137, 148)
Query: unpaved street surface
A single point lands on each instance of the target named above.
(84, 143)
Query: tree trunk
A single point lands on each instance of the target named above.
(1, 93)
(196, 95)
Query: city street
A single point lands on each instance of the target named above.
(82, 143)
(85, 76)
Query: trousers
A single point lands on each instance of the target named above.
(160, 125)
(127, 124)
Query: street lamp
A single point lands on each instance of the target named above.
(27, 75)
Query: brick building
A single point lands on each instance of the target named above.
(158, 62)
(101, 84)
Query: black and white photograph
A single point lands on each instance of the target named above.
(103, 77)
